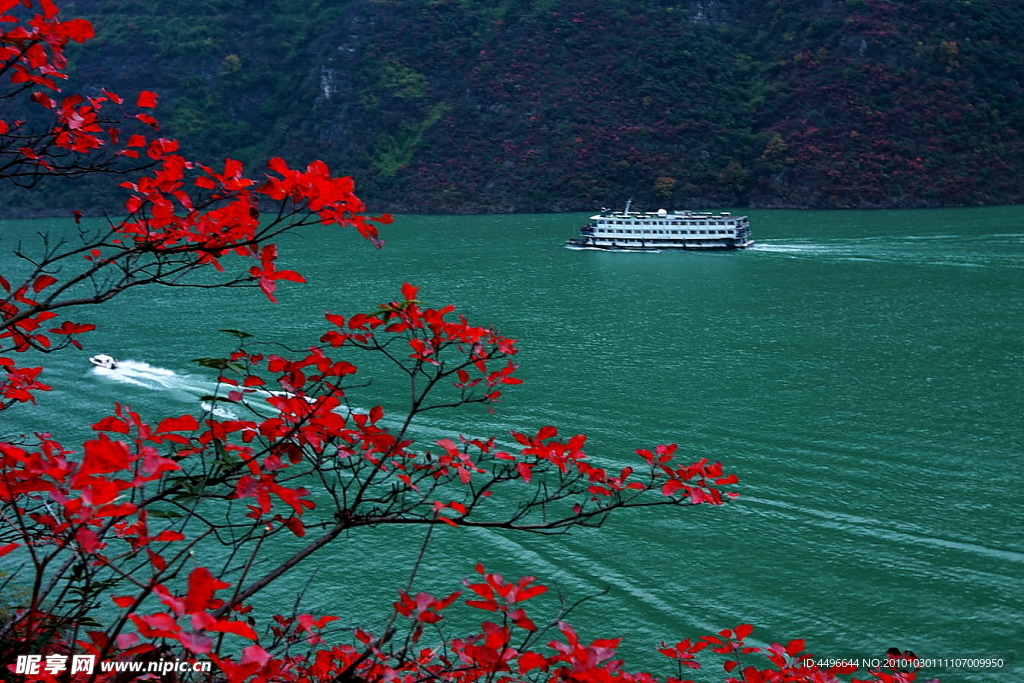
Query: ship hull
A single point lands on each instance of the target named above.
(581, 244)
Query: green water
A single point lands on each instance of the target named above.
(860, 371)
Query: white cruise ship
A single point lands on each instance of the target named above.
(662, 231)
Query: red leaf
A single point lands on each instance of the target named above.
(296, 526)
(409, 292)
(147, 99)
(103, 456)
(156, 560)
(42, 282)
(201, 587)
(148, 120)
(49, 9)
(79, 30)
(308, 623)
(239, 628)
(185, 423)
(670, 487)
(41, 99)
(531, 660)
(195, 642)
(160, 625)
(531, 592)
(111, 424)
(752, 675)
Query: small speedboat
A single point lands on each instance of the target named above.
(102, 360)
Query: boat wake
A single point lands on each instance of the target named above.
(218, 411)
(141, 374)
(886, 531)
(931, 250)
(183, 387)
(794, 249)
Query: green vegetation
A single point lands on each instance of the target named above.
(534, 105)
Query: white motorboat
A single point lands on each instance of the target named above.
(102, 360)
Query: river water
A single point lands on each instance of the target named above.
(860, 371)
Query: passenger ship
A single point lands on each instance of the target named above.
(662, 231)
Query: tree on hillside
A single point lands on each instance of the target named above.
(143, 550)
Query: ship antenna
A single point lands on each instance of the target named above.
(628, 202)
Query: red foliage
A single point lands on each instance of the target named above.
(133, 520)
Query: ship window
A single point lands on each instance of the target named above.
(703, 232)
(675, 232)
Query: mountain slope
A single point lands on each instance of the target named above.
(540, 105)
